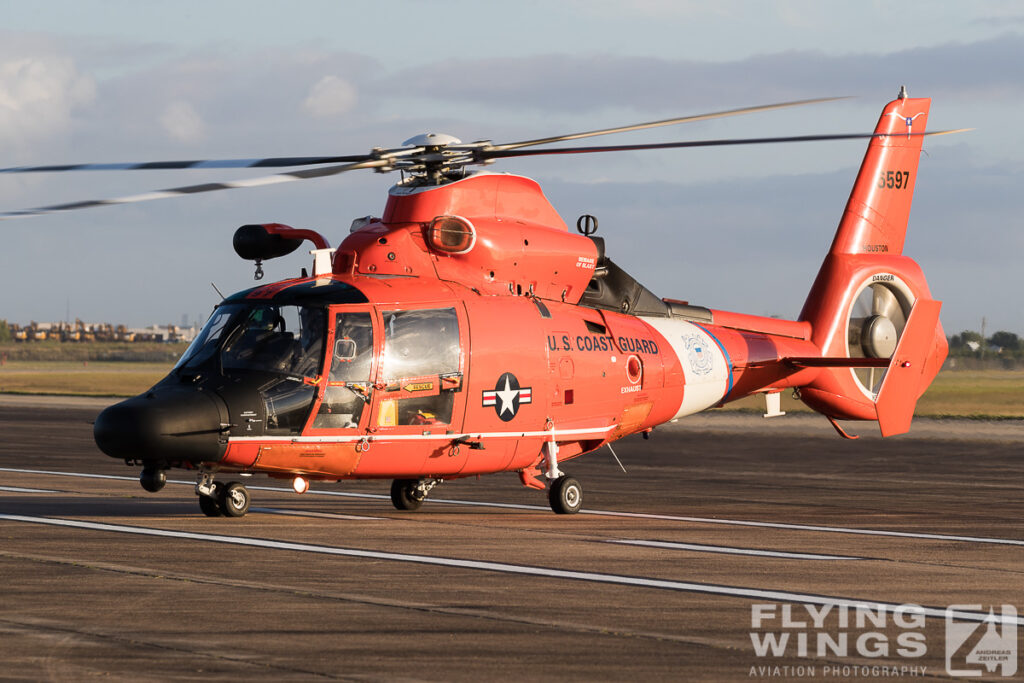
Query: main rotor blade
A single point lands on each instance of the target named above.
(304, 174)
(664, 122)
(270, 162)
(486, 154)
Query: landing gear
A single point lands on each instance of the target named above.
(217, 498)
(565, 495)
(409, 494)
(152, 479)
(210, 505)
(234, 500)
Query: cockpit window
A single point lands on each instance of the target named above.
(207, 342)
(349, 386)
(278, 339)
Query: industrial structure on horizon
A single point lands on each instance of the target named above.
(100, 332)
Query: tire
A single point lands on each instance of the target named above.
(402, 495)
(210, 505)
(565, 495)
(234, 500)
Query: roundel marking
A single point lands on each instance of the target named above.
(507, 396)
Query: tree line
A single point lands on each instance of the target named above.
(971, 344)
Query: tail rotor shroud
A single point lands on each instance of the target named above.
(877, 320)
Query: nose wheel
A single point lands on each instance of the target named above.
(409, 494)
(218, 499)
(234, 500)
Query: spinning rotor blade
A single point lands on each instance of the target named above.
(862, 306)
(504, 154)
(272, 162)
(281, 162)
(665, 122)
(304, 174)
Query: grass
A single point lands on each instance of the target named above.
(52, 350)
(968, 393)
(80, 378)
(974, 393)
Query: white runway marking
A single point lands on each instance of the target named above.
(18, 489)
(600, 513)
(84, 475)
(527, 570)
(732, 551)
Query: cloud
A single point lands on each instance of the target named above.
(330, 96)
(39, 96)
(656, 9)
(569, 83)
(182, 122)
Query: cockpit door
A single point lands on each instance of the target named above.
(349, 368)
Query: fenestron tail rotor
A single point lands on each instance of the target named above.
(877, 320)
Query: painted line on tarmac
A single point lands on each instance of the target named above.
(702, 548)
(84, 475)
(18, 489)
(600, 513)
(527, 570)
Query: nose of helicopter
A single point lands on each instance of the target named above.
(164, 424)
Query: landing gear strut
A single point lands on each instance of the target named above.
(565, 494)
(217, 499)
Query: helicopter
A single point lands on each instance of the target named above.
(468, 331)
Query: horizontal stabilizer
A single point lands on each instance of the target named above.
(904, 382)
(839, 362)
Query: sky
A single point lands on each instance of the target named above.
(741, 229)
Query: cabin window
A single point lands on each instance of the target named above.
(349, 383)
(419, 367)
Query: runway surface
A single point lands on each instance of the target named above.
(719, 520)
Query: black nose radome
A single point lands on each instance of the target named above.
(164, 424)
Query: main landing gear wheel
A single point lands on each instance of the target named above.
(565, 495)
(404, 494)
(234, 500)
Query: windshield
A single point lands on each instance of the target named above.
(279, 339)
(206, 343)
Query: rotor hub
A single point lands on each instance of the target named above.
(879, 337)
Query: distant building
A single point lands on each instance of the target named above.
(102, 332)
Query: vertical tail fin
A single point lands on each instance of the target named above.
(861, 302)
(875, 219)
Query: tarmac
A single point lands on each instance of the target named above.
(731, 548)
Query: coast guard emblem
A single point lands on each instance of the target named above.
(698, 352)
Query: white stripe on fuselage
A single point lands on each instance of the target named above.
(705, 367)
(556, 434)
